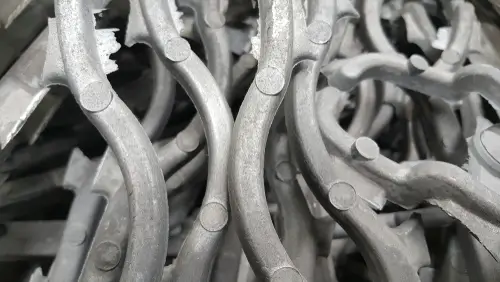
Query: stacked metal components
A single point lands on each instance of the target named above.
(229, 140)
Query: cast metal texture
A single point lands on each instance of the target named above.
(80, 68)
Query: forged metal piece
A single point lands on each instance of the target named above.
(82, 220)
(420, 29)
(366, 109)
(415, 73)
(372, 32)
(437, 119)
(383, 250)
(210, 23)
(21, 89)
(478, 212)
(113, 228)
(275, 60)
(343, 165)
(295, 226)
(375, 39)
(148, 207)
(151, 22)
(472, 106)
(280, 48)
(441, 128)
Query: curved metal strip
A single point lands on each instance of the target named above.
(148, 204)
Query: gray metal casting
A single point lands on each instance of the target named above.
(364, 146)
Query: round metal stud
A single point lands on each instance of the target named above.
(365, 149)
(342, 195)
(213, 217)
(417, 65)
(95, 97)
(108, 256)
(177, 49)
(270, 81)
(186, 143)
(451, 57)
(319, 32)
(285, 172)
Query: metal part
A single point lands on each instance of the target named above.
(364, 146)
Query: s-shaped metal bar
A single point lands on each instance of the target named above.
(150, 22)
(295, 223)
(385, 251)
(283, 28)
(79, 66)
(112, 235)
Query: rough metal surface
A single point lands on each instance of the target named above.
(279, 140)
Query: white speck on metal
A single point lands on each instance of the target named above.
(176, 15)
(255, 42)
(107, 45)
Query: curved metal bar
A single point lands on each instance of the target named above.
(151, 21)
(372, 31)
(281, 47)
(268, 257)
(415, 74)
(183, 175)
(442, 130)
(366, 109)
(441, 184)
(419, 28)
(462, 26)
(382, 250)
(210, 23)
(437, 119)
(297, 231)
(381, 120)
(82, 222)
(147, 198)
(112, 233)
(472, 106)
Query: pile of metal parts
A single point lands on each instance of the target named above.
(230, 140)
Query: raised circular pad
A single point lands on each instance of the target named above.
(286, 274)
(451, 57)
(365, 149)
(270, 81)
(186, 142)
(95, 97)
(417, 65)
(285, 171)
(319, 32)
(108, 256)
(177, 49)
(213, 217)
(342, 195)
